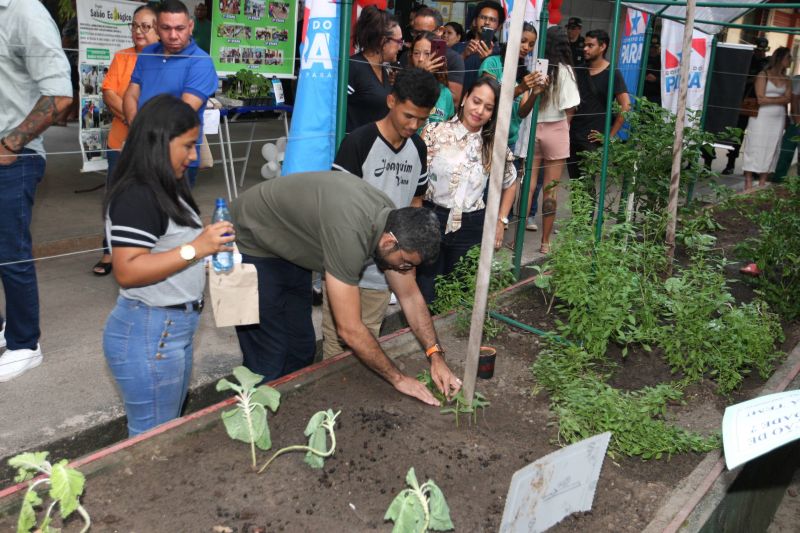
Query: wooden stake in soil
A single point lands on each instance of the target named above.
(493, 200)
(677, 147)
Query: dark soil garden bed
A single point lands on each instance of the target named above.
(194, 478)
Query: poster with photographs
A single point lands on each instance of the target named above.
(257, 35)
(104, 28)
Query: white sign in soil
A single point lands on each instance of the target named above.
(555, 486)
(757, 426)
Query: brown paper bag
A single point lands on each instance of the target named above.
(234, 295)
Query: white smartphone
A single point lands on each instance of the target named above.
(540, 65)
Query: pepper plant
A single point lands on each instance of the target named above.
(457, 405)
(66, 487)
(420, 508)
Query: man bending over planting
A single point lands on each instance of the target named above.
(336, 223)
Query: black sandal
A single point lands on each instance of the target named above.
(101, 268)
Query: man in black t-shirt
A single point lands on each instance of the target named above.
(652, 80)
(588, 124)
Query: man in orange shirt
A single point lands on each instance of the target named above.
(143, 33)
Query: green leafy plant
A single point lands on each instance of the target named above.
(319, 428)
(643, 163)
(66, 487)
(419, 508)
(586, 405)
(456, 291)
(248, 84)
(776, 250)
(247, 422)
(457, 404)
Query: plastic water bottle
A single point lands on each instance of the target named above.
(222, 261)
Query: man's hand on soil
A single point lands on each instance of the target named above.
(447, 383)
(412, 387)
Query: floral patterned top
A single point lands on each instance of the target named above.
(457, 178)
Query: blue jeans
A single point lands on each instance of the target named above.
(149, 352)
(18, 183)
(284, 341)
(453, 247)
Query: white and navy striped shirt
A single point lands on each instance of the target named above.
(135, 220)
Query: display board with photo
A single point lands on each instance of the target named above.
(257, 35)
(104, 28)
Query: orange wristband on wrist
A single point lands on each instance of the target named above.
(433, 349)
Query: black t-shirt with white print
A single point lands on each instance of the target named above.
(366, 94)
(401, 173)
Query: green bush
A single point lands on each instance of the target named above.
(456, 291)
(776, 250)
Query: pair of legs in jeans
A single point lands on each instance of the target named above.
(284, 340)
(454, 246)
(149, 352)
(18, 183)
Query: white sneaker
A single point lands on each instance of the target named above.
(392, 299)
(531, 225)
(14, 363)
(3, 336)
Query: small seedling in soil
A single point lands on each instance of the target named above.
(247, 422)
(456, 405)
(319, 427)
(66, 487)
(420, 508)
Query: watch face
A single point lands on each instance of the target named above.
(188, 252)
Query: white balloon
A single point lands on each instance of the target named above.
(266, 172)
(281, 156)
(280, 144)
(273, 167)
(269, 151)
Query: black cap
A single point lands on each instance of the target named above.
(574, 22)
(762, 44)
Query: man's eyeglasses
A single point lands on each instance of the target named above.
(399, 42)
(144, 28)
(406, 265)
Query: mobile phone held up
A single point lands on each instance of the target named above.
(438, 48)
(540, 65)
(487, 35)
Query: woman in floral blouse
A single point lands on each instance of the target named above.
(459, 162)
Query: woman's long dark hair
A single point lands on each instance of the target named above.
(776, 58)
(557, 52)
(487, 132)
(522, 69)
(373, 28)
(145, 159)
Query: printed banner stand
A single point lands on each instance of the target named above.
(630, 54)
(103, 28)
(312, 140)
(671, 44)
(257, 35)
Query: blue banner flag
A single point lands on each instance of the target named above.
(630, 54)
(312, 137)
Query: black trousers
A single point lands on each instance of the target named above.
(454, 246)
(284, 340)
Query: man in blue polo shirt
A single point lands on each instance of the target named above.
(175, 66)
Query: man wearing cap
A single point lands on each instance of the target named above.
(574, 26)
